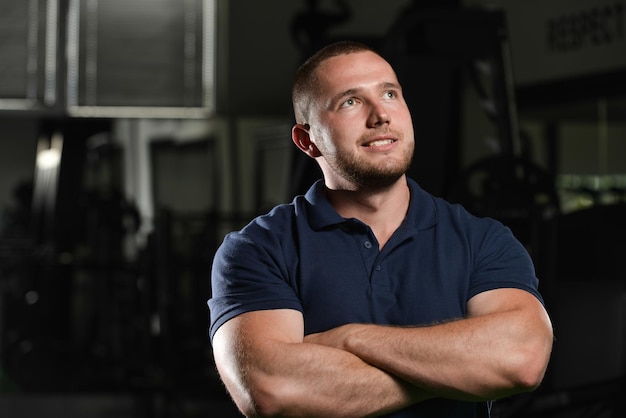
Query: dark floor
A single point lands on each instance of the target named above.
(111, 406)
(603, 400)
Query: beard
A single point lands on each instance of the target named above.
(367, 174)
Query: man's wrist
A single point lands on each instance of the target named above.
(358, 338)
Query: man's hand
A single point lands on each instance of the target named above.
(335, 337)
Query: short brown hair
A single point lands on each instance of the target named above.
(305, 80)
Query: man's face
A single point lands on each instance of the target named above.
(360, 122)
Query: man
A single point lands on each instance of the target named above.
(368, 296)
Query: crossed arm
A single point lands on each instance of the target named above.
(271, 369)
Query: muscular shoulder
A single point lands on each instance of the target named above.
(270, 228)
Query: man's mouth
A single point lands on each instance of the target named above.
(379, 142)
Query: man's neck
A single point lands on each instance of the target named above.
(383, 209)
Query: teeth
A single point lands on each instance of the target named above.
(380, 142)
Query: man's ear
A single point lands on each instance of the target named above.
(300, 137)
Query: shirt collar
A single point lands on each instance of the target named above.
(422, 212)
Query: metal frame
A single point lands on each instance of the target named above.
(75, 108)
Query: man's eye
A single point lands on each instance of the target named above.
(349, 102)
(390, 94)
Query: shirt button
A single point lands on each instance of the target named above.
(378, 268)
(367, 244)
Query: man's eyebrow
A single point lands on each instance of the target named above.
(345, 93)
(390, 85)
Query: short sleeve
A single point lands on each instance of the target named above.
(248, 274)
(501, 261)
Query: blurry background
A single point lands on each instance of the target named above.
(134, 134)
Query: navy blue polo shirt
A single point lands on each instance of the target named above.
(305, 256)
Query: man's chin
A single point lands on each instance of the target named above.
(378, 180)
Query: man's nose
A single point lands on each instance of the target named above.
(378, 115)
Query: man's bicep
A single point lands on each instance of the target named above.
(503, 299)
(248, 347)
(282, 325)
(249, 337)
(244, 348)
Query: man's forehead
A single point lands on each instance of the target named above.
(355, 64)
(355, 70)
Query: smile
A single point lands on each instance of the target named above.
(380, 142)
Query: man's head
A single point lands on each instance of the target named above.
(352, 118)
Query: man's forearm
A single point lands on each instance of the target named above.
(312, 380)
(482, 357)
(267, 376)
(449, 359)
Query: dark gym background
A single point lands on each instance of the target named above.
(135, 133)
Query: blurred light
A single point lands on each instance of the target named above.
(31, 297)
(47, 159)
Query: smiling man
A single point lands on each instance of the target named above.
(368, 296)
